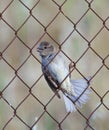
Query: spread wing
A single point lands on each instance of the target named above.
(51, 84)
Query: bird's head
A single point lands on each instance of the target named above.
(45, 48)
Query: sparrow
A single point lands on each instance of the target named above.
(57, 75)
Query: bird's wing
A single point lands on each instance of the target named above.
(51, 84)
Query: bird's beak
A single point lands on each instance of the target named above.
(39, 49)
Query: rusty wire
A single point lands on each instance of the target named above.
(30, 49)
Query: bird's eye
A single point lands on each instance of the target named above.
(45, 47)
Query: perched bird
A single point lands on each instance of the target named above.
(56, 73)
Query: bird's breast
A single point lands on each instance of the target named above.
(58, 70)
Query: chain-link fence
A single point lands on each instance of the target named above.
(80, 29)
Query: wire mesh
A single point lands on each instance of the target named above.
(80, 30)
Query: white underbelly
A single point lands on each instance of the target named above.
(59, 71)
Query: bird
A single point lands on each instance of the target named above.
(57, 75)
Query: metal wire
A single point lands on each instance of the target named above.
(30, 49)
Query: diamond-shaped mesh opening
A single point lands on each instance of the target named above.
(41, 88)
(96, 98)
(85, 67)
(57, 26)
(42, 12)
(46, 123)
(74, 7)
(34, 32)
(28, 72)
(101, 8)
(6, 113)
(100, 82)
(100, 115)
(74, 118)
(5, 39)
(6, 74)
(89, 28)
(20, 53)
(29, 109)
(79, 30)
(16, 10)
(73, 48)
(100, 42)
(57, 112)
(10, 92)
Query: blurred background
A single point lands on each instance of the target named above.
(76, 26)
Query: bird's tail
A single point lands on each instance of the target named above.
(82, 90)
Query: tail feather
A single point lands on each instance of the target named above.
(70, 107)
(82, 95)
